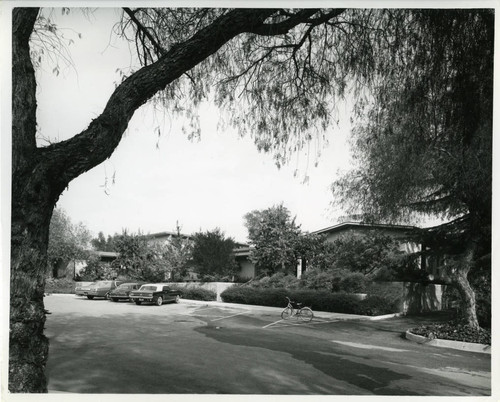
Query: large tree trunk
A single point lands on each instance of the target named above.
(468, 298)
(28, 347)
(461, 283)
(31, 212)
(458, 279)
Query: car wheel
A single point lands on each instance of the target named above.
(159, 301)
(90, 297)
(177, 298)
(138, 302)
(106, 296)
(114, 299)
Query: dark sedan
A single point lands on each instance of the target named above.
(122, 292)
(156, 293)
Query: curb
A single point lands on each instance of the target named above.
(445, 343)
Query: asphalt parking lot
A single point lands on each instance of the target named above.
(97, 346)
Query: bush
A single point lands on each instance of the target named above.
(334, 281)
(62, 285)
(454, 331)
(354, 282)
(198, 293)
(379, 305)
(317, 300)
(278, 280)
(390, 290)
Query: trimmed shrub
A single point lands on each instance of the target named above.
(334, 281)
(198, 293)
(278, 280)
(317, 300)
(354, 282)
(62, 285)
(379, 305)
(390, 293)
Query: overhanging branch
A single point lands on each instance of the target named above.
(68, 159)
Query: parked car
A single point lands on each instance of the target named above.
(101, 289)
(156, 293)
(81, 289)
(123, 291)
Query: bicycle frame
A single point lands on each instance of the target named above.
(305, 313)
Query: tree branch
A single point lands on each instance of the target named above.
(302, 16)
(68, 159)
(141, 28)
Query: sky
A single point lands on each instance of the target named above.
(153, 182)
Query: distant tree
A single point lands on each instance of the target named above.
(274, 237)
(102, 243)
(369, 254)
(96, 270)
(140, 260)
(212, 254)
(67, 241)
(178, 253)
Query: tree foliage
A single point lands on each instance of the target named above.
(67, 241)
(372, 255)
(102, 243)
(140, 259)
(212, 254)
(277, 242)
(424, 145)
(273, 236)
(96, 270)
(178, 254)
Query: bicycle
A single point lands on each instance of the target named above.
(304, 313)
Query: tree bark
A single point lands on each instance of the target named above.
(40, 175)
(31, 212)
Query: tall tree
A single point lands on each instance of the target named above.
(67, 241)
(274, 236)
(140, 259)
(424, 145)
(212, 254)
(178, 253)
(286, 68)
(100, 243)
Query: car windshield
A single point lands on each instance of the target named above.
(148, 287)
(125, 287)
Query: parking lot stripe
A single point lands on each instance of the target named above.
(276, 322)
(229, 316)
(288, 323)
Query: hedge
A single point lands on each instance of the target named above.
(317, 300)
(198, 293)
(61, 285)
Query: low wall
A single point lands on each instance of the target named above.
(217, 287)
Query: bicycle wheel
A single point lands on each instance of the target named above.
(287, 313)
(306, 314)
